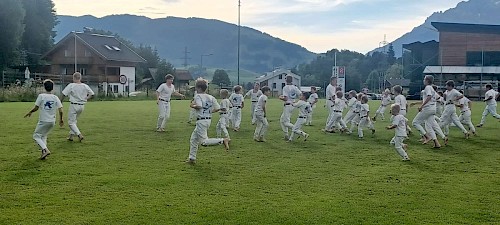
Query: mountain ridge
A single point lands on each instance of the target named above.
(260, 51)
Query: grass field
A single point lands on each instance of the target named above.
(125, 173)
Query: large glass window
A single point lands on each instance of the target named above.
(483, 58)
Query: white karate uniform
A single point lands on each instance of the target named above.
(78, 94)
(331, 93)
(351, 105)
(400, 134)
(254, 96)
(165, 93)
(338, 107)
(221, 125)
(465, 116)
(204, 119)
(491, 105)
(312, 99)
(364, 120)
(237, 102)
(401, 101)
(440, 103)
(356, 119)
(304, 109)
(450, 113)
(48, 105)
(427, 114)
(291, 92)
(260, 118)
(386, 100)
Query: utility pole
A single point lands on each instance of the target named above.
(239, 38)
(186, 58)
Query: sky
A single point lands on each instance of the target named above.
(318, 25)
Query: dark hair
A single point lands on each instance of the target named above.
(440, 93)
(313, 88)
(201, 84)
(489, 86)
(461, 92)
(306, 95)
(398, 89)
(289, 79)
(429, 79)
(434, 87)
(264, 89)
(169, 77)
(48, 85)
(450, 83)
(237, 88)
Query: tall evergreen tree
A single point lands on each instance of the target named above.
(11, 25)
(40, 21)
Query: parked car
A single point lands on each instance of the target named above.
(373, 96)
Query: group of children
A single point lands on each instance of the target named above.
(204, 105)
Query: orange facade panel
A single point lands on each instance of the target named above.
(453, 46)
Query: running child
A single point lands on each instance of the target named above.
(79, 93)
(304, 109)
(313, 99)
(490, 97)
(224, 108)
(364, 115)
(48, 104)
(386, 100)
(260, 116)
(237, 101)
(254, 96)
(464, 104)
(205, 105)
(399, 126)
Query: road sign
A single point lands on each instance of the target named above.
(339, 73)
(123, 79)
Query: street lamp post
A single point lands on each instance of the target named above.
(239, 37)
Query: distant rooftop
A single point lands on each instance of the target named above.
(467, 28)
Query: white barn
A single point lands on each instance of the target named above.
(276, 80)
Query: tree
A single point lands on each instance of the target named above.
(164, 68)
(394, 72)
(38, 36)
(221, 77)
(373, 80)
(11, 25)
(391, 58)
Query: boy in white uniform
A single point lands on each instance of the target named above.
(205, 105)
(260, 116)
(400, 100)
(426, 113)
(163, 96)
(490, 97)
(364, 115)
(224, 108)
(313, 99)
(78, 93)
(351, 105)
(399, 124)
(48, 104)
(464, 104)
(290, 93)
(386, 100)
(237, 101)
(304, 109)
(254, 96)
(331, 91)
(357, 108)
(440, 103)
(451, 96)
(338, 107)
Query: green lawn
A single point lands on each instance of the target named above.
(125, 173)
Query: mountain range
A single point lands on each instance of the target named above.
(472, 11)
(214, 39)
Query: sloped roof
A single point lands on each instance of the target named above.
(401, 82)
(276, 73)
(182, 75)
(107, 47)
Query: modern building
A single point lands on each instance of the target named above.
(276, 80)
(101, 60)
(469, 54)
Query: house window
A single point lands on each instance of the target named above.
(66, 53)
(115, 88)
(274, 85)
(280, 77)
(282, 85)
(64, 70)
(83, 71)
(87, 53)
